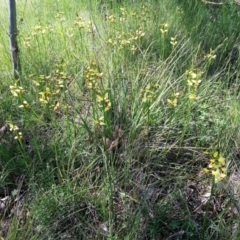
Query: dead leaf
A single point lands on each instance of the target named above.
(103, 228)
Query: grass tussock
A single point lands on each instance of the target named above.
(123, 123)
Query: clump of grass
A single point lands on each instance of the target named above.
(110, 122)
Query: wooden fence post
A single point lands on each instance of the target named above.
(13, 39)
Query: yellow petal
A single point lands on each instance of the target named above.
(173, 102)
(216, 172)
(99, 98)
(177, 94)
(145, 99)
(48, 90)
(106, 96)
(217, 179)
(14, 93)
(213, 165)
(56, 107)
(193, 96)
(215, 154)
(189, 83)
(206, 171)
(223, 175)
(193, 75)
(148, 87)
(212, 161)
(224, 170)
(222, 161)
(11, 126)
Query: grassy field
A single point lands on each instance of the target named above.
(123, 123)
